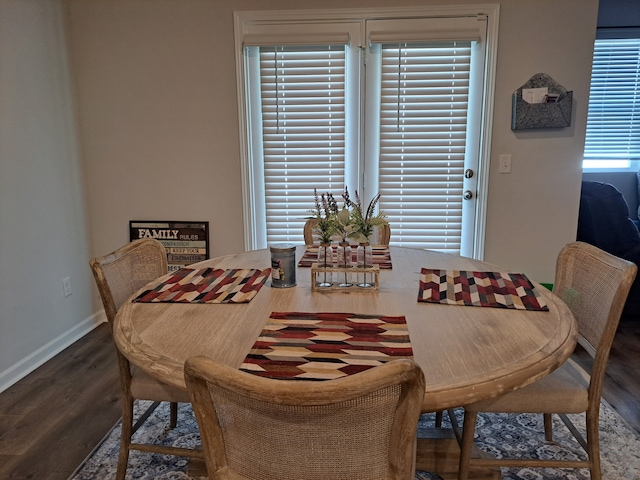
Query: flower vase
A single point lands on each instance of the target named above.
(344, 261)
(325, 260)
(364, 258)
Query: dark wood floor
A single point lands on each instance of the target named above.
(622, 382)
(52, 419)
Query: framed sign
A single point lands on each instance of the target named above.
(185, 242)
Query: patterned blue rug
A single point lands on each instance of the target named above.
(619, 445)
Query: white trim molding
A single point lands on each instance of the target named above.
(24, 367)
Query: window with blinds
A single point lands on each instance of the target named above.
(423, 123)
(387, 101)
(303, 115)
(613, 122)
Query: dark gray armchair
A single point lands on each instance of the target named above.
(604, 221)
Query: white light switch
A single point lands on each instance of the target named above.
(66, 286)
(505, 164)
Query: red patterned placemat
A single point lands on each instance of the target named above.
(483, 289)
(207, 285)
(381, 256)
(322, 346)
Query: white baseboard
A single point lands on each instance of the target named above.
(28, 364)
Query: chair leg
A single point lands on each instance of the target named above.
(439, 415)
(125, 437)
(548, 428)
(173, 414)
(593, 444)
(466, 446)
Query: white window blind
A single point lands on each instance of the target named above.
(303, 115)
(423, 134)
(613, 122)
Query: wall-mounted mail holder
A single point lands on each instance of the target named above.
(541, 103)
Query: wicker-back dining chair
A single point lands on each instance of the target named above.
(594, 284)
(381, 233)
(118, 275)
(362, 426)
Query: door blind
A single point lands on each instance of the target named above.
(613, 122)
(423, 123)
(303, 115)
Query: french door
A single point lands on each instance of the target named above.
(377, 105)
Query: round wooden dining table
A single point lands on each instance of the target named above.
(467, 353)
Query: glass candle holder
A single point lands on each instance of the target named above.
(325, 260)
(364, 259)
(344, 260)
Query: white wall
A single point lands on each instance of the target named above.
(156, 96)
(43, 235)
(533, 211)
(158, 111)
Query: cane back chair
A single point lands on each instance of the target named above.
(381, 233)
(594, 284)
(361, 426)
(118, 275)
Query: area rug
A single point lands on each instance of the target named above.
(619, 444)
